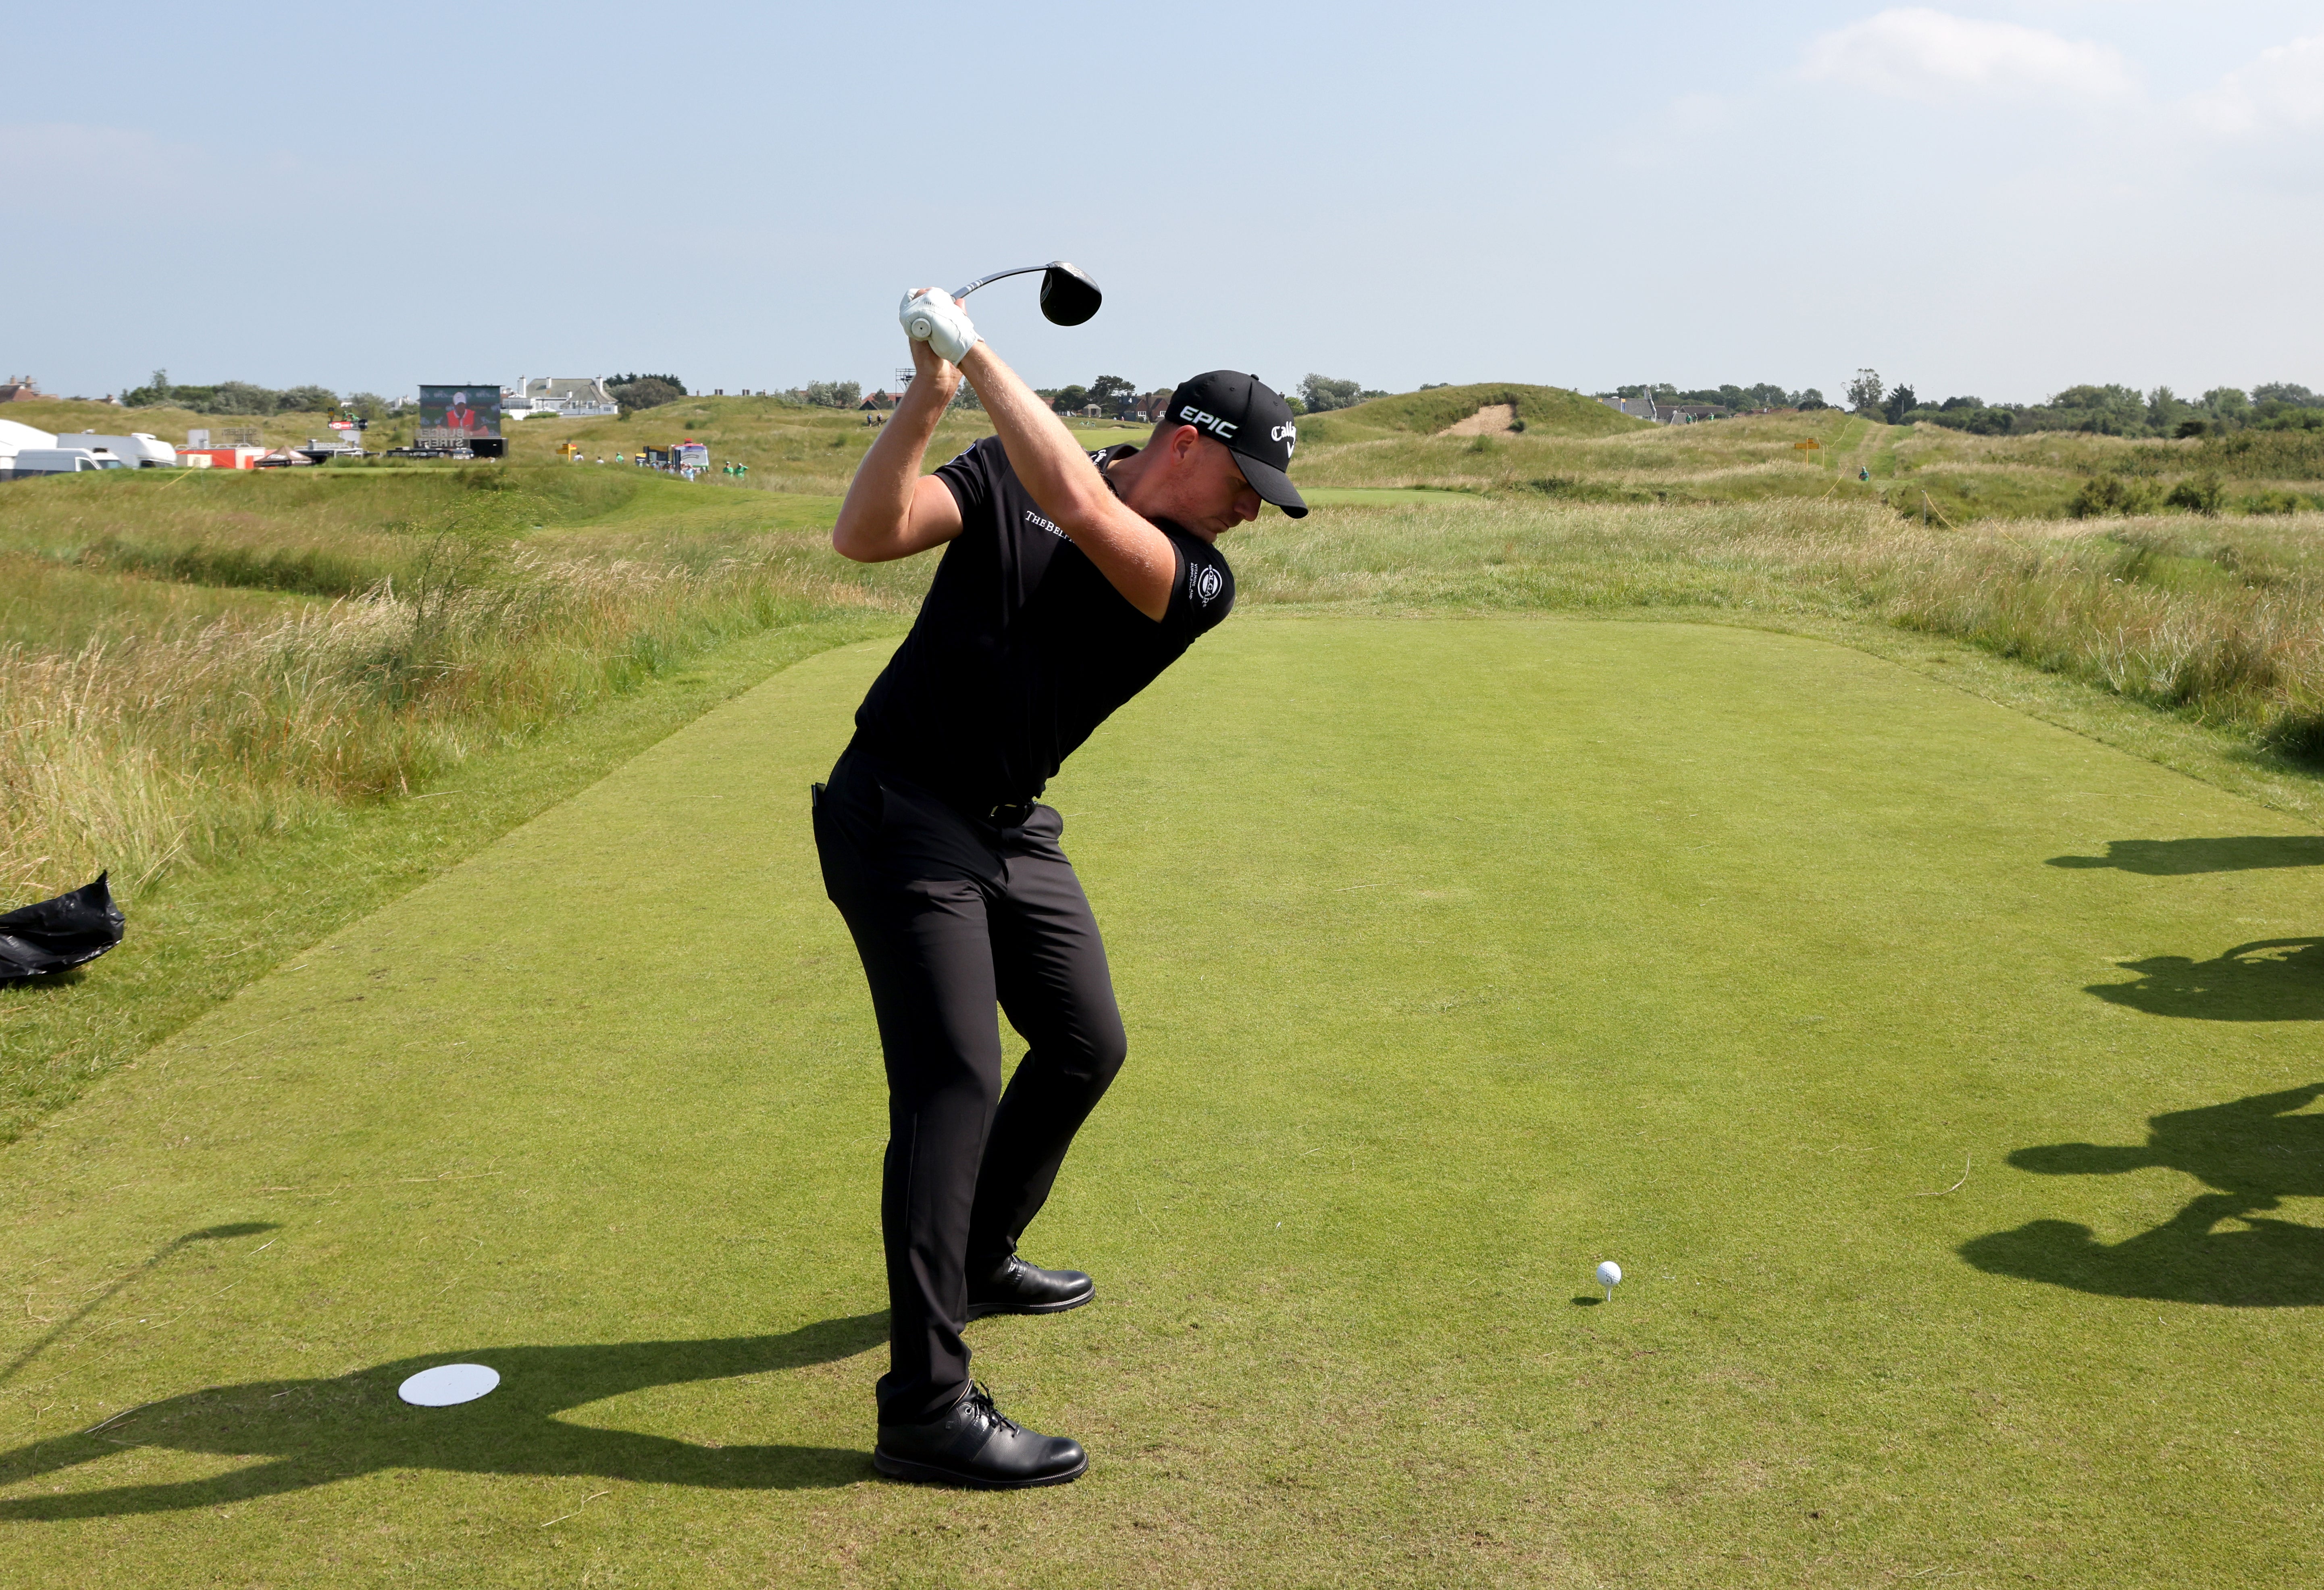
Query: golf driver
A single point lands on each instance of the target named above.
(1067, 297)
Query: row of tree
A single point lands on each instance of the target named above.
(1114, 395)
(244, 397)
(1111, 393)
(2107, 411)
(634, 392)
(1320, 395)
(1765, 394)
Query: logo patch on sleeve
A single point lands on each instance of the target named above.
(1204, 582)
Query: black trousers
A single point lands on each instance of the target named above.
(953, 915)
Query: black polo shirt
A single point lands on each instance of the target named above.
(1022, 648)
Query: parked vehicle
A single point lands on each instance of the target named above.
(33, 461)
(137, 449)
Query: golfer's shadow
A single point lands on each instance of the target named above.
(320, 1430)
(2256, 1151)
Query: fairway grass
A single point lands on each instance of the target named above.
(1456, 957)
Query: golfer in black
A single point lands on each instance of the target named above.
(1069, 581)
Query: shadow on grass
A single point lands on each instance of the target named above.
(322, 1431)
(2266, 980)
(2178, 858)
(2255, 1151)
(41, 981)
(207, 1235)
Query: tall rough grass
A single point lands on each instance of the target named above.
(2225, 624)
(181, 728)
(137, 752)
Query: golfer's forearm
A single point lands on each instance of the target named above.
(1135, 559)
(875, 521)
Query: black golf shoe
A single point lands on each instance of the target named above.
(1019, 1287)
(978, 1446)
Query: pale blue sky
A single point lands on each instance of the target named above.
(2000, 199)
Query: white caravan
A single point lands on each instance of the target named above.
(137, 449)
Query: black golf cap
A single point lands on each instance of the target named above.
(1253, 420)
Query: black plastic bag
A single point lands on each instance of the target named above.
(57, 934)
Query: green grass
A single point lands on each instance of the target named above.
(204, 720)
(265, 703)
(1456, 956)
(2215, 621)
(1442, 912)
(65, 607)
(198, 934)
(1383, 496)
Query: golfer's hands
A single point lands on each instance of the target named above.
(932, 315)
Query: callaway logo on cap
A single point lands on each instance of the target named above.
(1254, 422)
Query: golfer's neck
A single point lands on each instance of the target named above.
(1125, 476)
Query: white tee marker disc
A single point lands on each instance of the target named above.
(449, 1383)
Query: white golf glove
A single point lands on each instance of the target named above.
(932, 316)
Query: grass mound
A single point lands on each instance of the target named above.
(67, 415)
(1550, 409)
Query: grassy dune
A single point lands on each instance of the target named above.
(63, 415)
(1551, 408)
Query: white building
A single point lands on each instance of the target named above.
(563, 397)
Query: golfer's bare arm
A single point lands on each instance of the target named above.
(893, 510)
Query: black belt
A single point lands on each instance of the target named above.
(1011, 816)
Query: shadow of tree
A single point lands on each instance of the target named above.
(2255, 1151)
(322, 1431)
(2266, 980)
(2178, 858)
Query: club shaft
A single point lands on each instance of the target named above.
(981, 281)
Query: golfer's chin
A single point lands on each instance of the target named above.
(1210, 526)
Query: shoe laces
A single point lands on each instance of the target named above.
(982, 1400)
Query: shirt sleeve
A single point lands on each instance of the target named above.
(971, 477)
(1205, 591)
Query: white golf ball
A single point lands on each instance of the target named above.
(1609, 1274)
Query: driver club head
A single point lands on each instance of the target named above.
(1069, 298)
